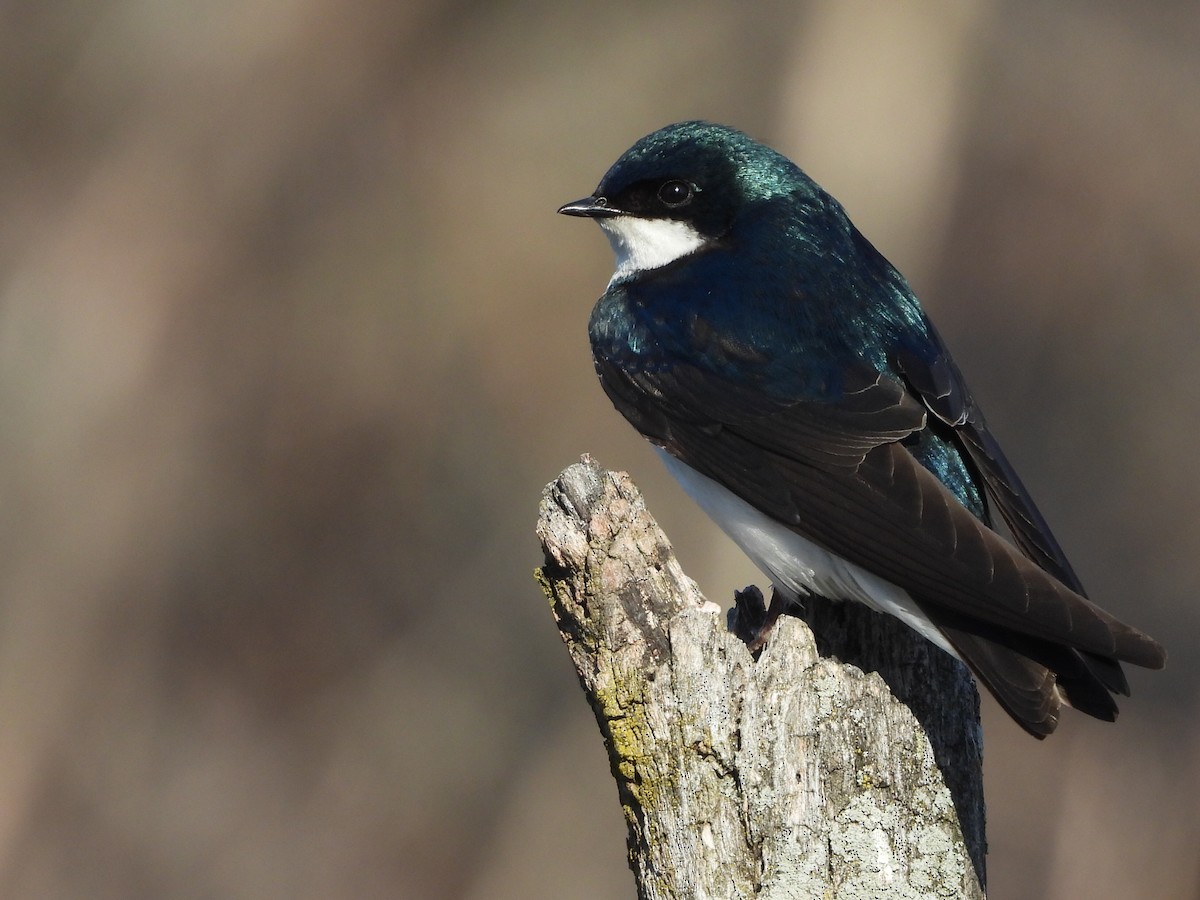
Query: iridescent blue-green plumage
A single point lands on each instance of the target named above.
(782, 357)
(794, 243)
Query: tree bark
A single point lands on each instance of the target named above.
(849, 766)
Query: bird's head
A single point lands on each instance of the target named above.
(680, 190)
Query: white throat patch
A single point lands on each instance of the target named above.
(642, 244)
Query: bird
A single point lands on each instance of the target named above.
(793, 385)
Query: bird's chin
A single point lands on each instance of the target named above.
(644, 244)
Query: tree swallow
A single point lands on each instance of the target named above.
(795, 388)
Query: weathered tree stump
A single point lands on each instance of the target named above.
(849, 766)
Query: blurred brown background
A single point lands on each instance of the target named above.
(291, 338)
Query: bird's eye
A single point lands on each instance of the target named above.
(675, 193)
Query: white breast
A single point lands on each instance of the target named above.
(795, 564)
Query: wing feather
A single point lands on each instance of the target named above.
(839, 474)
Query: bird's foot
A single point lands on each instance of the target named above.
(751, 619)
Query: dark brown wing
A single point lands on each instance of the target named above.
(944, 392)
(838, 474)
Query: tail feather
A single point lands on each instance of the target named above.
(1027, 690)
(1032, 678)
(1109, 672)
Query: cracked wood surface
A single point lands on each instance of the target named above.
(847, 766)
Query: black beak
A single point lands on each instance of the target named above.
(592, 207)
